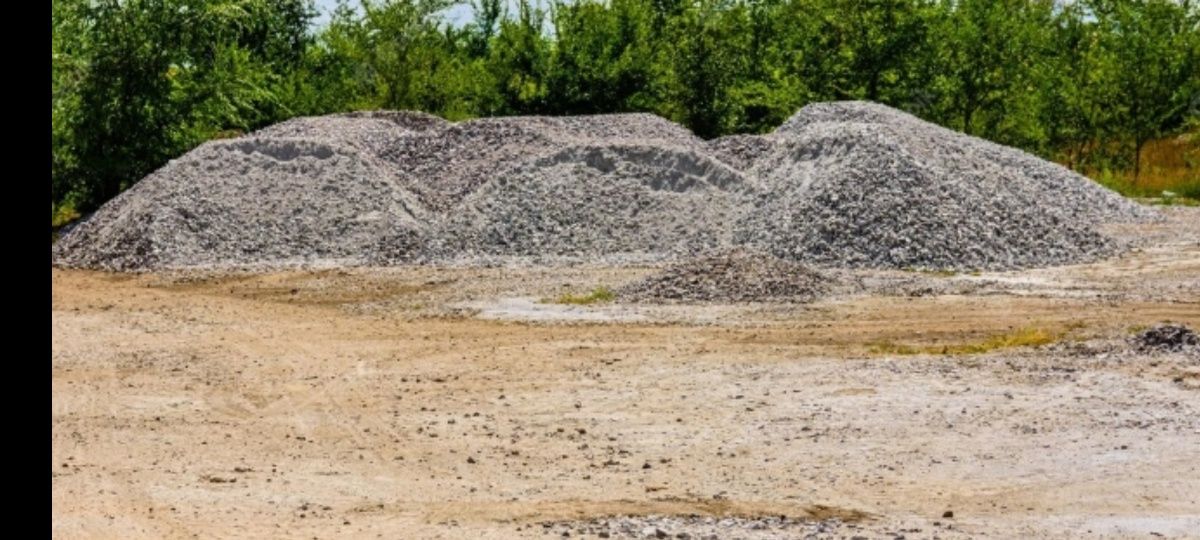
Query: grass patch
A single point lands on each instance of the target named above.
(1175, 200)
(61, 215)
(1139, 328)
(892, 348)
(598, 295)
(1170, 172)
(1184, 193)
(1024, 337)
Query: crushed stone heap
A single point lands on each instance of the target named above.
(251, 203)
(737, 275)
(839, 184)
(863, 185)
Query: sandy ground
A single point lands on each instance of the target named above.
(453, 403)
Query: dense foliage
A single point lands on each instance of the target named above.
(1089, 82)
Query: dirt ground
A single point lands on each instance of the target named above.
(455, 403)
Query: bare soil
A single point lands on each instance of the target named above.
(420, 403)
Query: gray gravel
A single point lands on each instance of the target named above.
(593, 201)
(693, 528)
(251, 203)
(1167, 338)
(863, 185)
(696, 527)
(839, 184)
(445, 166)
(741, 151)
(373, 133)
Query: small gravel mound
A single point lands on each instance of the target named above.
(1167, 338)
(734, 276)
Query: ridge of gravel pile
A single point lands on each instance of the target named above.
(370, 132)
(443, 167)
(839, 184)
(735, 276)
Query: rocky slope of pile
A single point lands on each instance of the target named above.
(251, 203)
(863, 185)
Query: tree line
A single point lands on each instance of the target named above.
(1086, 82)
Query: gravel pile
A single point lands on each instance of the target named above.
(863, 185)
(251, 203)
(840, 184)
(735, 276)
(1167, 338)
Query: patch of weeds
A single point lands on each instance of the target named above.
(1072, 329)
(1172, 199)
(1177, 189)
(1024, 337)
(61, 215)
(598, 295)
(888, 347)
(1138, 328)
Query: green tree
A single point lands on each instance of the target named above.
(68, 69)
(603, 58)
(863, 49)
(519, 60)
(488, 14)
(140, 81)
(400, 41)
(1152, 50)
(985, 53)
(705, 60)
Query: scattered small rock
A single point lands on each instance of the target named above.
(1166, 338)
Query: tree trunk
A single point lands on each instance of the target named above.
(968, 113)
(1139, 142)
